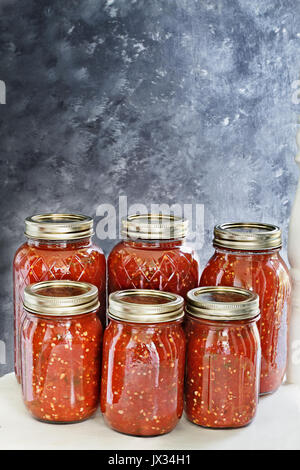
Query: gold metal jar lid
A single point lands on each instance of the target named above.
(247, 236)
(61, 298)
(58, 226)
(222, 303)
(154, 227)
(145, 306)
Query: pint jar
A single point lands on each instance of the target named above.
(58, 246)
(223, 357)
(153, 255)
(143, 362)
(61, 337)
(247, 255)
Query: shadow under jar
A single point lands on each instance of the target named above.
(223, 357)
(153, 255)
(61, 338)
(143, 362)
(247, 255)
(58, 246)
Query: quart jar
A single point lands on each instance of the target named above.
(58, 246)
(247, 255)
(61, 338)
(153, 255)
(223, 357)
(143, 362)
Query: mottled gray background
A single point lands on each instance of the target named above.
(163, 101)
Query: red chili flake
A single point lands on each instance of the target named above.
(142, 385)
(37, 261)
(226, 393)
(267, 275)
(60, 381)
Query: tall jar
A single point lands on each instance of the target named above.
(61, 337)
(58, 246)
(143, 362)
(153, 255)
(247, 255)
(223, 357)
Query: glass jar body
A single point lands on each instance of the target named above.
(170, 266)
(266, 274)
(40, 260)
(222, 372)
(142, 377)
(61, 366)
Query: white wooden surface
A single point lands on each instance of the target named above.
(276, 426)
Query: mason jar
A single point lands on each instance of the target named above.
(248, 255)
(58, 246)
(223, 357)
(143, 362)
(153, 255)
(61, 338)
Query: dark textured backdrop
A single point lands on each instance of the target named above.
(162, 101)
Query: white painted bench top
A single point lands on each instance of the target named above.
(276, 426)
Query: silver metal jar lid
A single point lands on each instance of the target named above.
(222, 303)
(145, 306)
(61, 298)
(154, 227)
(247, 236)
(58, 226)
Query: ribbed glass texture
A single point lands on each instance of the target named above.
(222, 372)
(142, 377)
(266, 274)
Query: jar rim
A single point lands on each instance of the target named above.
(58, 226)
(247, 236)
(84, 300)
(122, 308)
(154, 227)
(222, 303)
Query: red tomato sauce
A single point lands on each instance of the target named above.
(266, 274)
(37, 261)
(168, 266)
(142, 377)
(61, 291)
(222, 374)
(146, 299)
(61, 366)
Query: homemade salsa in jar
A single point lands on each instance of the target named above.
(58, 246)
(143, 362)
(153, 255)
(247, 255)
(223, 357)
(61, 338)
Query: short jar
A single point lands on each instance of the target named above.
(61, 337)
(143, 362)
(58, 246)
(153, 255)
(247, 255)
(223, 357)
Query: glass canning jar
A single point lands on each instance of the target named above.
(58, 246)
(60, 344)
(247, 255)
(223, 357)
(143, 362)
(153, 255)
